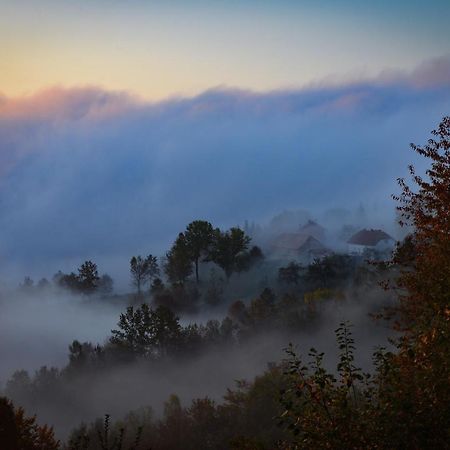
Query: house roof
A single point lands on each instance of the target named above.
(296, 241)
(291, 241)
(313, 229)
(369, 237)
(311, 244)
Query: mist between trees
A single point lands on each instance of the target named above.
(169, 362)
(182, 337)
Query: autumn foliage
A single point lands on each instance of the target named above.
(406, 402)
(19, 432)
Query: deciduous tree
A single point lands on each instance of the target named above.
(143, 271)
(178, 261)
(228, 247)
(199, 236)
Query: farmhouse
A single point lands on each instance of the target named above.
(299, 246)
(375, 240)
(313, 229)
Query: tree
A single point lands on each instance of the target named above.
(262, 308)
(330, 272)
(246, 260)
(157, 286)
(199, 236)
(227, 249)
(105, 284)
(214, 290)
(290, 273)
(69, 281)
(43, 283)
(405, 403)
(238, 312)
(178, 261)
(147, 332)
(88, 277)
(143, 270)
(18, 432)
(27, 284)
(425, 280)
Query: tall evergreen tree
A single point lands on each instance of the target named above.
(88, 277)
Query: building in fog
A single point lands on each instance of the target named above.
(300, 247)
(369, 241)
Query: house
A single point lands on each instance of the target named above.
(370, 240)
(298, 246)
(313, 229)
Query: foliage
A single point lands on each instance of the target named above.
(147, 332)
(105, 284)
(178, 264)
(19, 432)
(330, 272)
(88, 277)
(243, 420)
(214, 289)
(246, 260)
(290, 273)
(228, 248)
(87, 281)
(143, 270)
(406, 403)
(107, 438)
(199, 237)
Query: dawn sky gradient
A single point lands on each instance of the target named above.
(157, 49)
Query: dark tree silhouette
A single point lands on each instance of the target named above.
(178, 265)
(199, 236)
(19, 432)
(290, 273)
(88, 277)
(143, 271)
(228, 248)
(147, 332)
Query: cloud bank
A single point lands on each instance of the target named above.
(86, 173)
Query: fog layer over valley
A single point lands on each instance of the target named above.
(92, 174)
(147, 263)
(36, 328)
(39, 324)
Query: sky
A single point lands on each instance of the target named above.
(157, 49)
(120, 122)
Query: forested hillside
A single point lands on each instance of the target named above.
(381, 382)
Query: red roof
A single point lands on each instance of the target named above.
(369, 237)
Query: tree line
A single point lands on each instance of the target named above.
(199, 243)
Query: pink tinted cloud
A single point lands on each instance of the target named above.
(96, 103)
(66, 104)
(434, 73)
(26, 122)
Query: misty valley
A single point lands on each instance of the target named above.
(245, 338)
(199, 325)
(214, 231)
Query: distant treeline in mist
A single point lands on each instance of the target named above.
(151, 339)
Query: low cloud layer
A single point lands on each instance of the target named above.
(86, 173)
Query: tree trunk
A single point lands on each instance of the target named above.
(196, 270)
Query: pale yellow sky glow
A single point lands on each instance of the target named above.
(157, 52)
